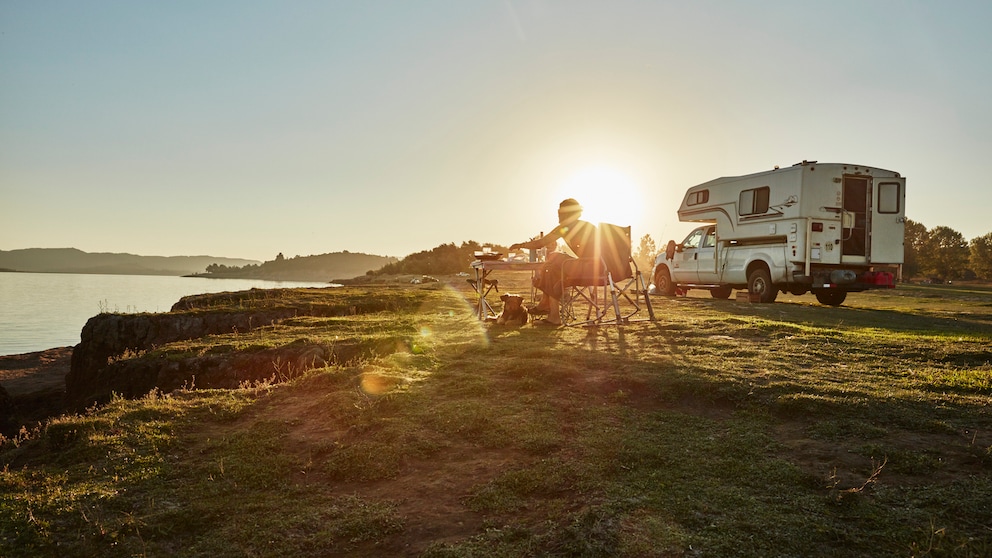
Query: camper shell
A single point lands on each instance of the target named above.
(825, 228)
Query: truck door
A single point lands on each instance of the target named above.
(686, 264)
(706, 256)
(888, 221)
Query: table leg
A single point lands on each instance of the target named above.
(480, 278)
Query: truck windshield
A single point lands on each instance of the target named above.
(692, 241)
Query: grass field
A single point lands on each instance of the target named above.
(720, 429)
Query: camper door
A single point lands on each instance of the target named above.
(888, 218)
(855, 216)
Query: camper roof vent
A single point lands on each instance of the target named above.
(804, 163)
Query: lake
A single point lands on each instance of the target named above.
(44, 310)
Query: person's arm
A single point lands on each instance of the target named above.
(547, 240)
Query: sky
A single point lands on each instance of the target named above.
(250, 128)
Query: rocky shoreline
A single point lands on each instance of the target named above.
(32, 387)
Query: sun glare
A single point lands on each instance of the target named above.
(607, 195)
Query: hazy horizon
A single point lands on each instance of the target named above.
(248, 129)
(223, 256)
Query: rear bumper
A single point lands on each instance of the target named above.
(848, 280)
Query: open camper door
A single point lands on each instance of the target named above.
(888, 220)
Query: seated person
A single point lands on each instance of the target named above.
(579, 236)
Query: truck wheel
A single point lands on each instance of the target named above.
(663, 284)
(831, 297)
(759, 282)
(721, 292)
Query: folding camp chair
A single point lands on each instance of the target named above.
(609, 280)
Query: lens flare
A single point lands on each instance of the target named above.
(607, 194)
(376, 384)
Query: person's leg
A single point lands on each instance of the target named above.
(553, 286)
(543, 306)
(546, 281)
(554, 310)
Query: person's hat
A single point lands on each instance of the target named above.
(569, 205)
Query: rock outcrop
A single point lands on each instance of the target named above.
(117, 352)
(107, 337)
(136, 377)
(7, 414)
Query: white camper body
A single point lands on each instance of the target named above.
(825, 228)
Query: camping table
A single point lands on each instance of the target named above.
(483, 268)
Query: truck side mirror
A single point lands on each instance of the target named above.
(670, 250)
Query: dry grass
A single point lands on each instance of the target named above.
(721, 429)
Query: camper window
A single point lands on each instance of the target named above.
(888, 197)
(754, 201)
(696, 198)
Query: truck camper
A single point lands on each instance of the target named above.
(825, 228)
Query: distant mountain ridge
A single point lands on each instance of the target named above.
(72, 260)
(320, 268)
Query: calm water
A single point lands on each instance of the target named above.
(44, 310)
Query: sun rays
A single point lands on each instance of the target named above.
(608, 194)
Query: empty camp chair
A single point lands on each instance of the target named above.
(604, 288)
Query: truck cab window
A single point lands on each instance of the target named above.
(709, 240)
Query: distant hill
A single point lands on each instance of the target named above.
(323, 267)
(71, 260)
(443, 259)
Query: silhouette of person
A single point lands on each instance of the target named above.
(579, 237)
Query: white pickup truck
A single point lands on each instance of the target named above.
(829, 229)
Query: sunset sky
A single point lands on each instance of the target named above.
(248, 128)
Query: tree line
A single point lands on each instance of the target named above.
(445, 259)
(322, 267)
(943, 254)
(451, 258)
(937, 254)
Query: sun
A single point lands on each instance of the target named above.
(607, 195)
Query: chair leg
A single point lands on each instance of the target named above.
(647, 297)
(616, 299)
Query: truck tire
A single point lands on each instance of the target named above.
(721, 292)
(830, 297)
(663, 284)
(759, 282)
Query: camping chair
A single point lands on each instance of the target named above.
(609, 280)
